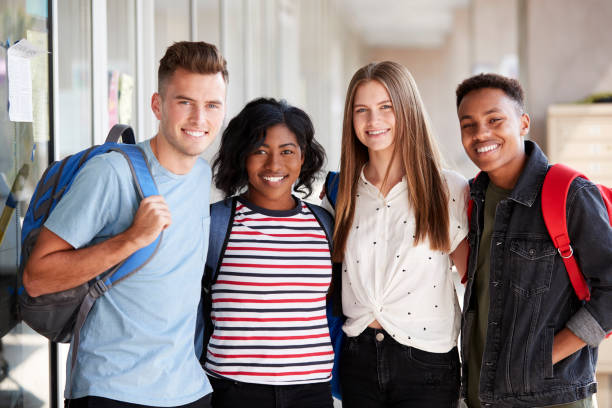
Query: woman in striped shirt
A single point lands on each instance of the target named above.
(270, 344)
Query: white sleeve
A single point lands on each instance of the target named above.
(458, 190)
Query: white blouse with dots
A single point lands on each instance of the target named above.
(408, 289)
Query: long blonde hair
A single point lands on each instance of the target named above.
(414, 146)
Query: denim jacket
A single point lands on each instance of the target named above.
(531, 297)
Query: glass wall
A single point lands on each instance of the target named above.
(121, 48)
(74, 127)
(24, 146)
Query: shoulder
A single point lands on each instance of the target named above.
(584, 195)
(105, 168)
(202, 167)
(225, 203)
(457, 184)
(454, 179)
(319, 210)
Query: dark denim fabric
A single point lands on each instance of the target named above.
(380, 372)
(236, 394)
(531, 297)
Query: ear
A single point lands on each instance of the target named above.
(525, 120)
(156, 103)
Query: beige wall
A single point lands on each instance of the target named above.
(568, 54)
(493, 34)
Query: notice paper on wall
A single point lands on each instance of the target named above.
(20, 80)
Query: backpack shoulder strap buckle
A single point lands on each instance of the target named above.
(566, 252)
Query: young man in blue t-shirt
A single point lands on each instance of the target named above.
(137, 343)
(527, 340)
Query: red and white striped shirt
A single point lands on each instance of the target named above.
(268, 303)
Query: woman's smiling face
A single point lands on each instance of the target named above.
(374, 117)
(273, 169)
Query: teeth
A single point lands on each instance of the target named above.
(487, 148)
(375, 132)
(273, 179)
(194, 133)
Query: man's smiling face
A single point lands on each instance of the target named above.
(190, 109)
(492, 130)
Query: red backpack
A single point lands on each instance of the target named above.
(554, 200)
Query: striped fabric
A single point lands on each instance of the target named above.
(269, 300)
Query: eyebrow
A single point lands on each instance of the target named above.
(283, 145)
(379, 103)
(492, 110)
(218, 102)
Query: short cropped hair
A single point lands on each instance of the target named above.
(247, 131)
(511, 87)
(198, 57)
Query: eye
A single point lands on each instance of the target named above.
(495, 120)
(387, 106)
(360, 110)
(259, 151)
(467, 125)
(184, 102)
(287, 151)
(213, 106)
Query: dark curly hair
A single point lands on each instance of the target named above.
(247, 131)
(509, 86)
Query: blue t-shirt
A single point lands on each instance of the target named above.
(137, 342)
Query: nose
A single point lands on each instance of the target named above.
(372, 116)
(481, 132)
(198, 115)
(273, 161)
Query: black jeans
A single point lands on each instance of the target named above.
(236, 394)
(377, 371)
(99, 402)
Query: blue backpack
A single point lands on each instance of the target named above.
(60, 316)
(332, 181)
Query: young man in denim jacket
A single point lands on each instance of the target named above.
(527, 340)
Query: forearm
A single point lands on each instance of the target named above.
(565, 344)
(459, 257)
(67, 268)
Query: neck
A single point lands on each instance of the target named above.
(169, 158)
(269, 203)
(376, 169)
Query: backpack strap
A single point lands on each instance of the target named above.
(221, 219)
(554, 200)
(333, 310)
(332, 181)
(325, 219)
(145, 187)
(123, 132)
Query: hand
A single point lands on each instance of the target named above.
(152, 217)
(323, 192)
(565, 343)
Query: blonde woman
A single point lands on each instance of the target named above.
(400, 224)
